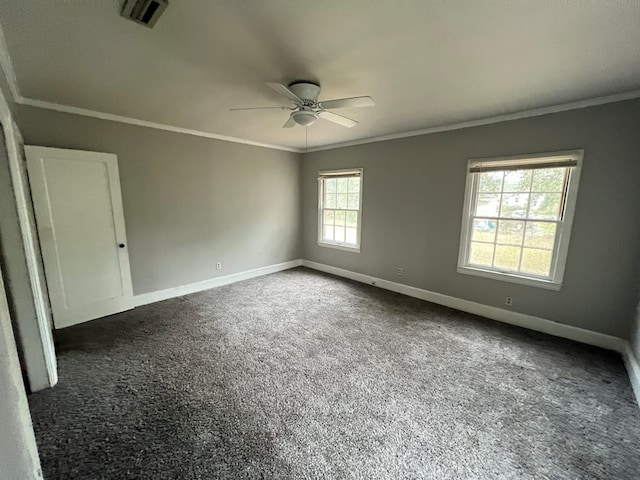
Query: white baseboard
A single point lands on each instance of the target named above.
(159, 295)
(538, 324)
(633, 368)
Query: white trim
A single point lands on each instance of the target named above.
(510, 277)
(339, 246)
(159, 295)
(633, 368)
(538, 324)
(144, 123)
(620, 97)
(23, 199)
(563, 107)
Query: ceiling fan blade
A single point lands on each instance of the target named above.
(349, 102)
(282, 90)
(289, 123)
(339, 119)
(257, 108)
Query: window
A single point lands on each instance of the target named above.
(339, 209)
(517, 217)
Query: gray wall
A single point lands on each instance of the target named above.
(189, 202)
(412, 211)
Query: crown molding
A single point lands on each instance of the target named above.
(413, 133)
(590, 102)
(144, 123)
(9, 73)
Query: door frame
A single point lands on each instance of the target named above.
(13, 141)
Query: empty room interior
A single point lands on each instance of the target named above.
(338, 239)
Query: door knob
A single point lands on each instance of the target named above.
(121, 245)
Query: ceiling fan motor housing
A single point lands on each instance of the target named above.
(305, 90)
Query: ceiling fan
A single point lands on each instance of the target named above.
(308, 108)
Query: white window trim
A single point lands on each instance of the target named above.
(336, 245)
(563, 234)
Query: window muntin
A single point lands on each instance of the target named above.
(517, 217)
(340, 213)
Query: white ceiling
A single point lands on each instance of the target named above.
(426, 63)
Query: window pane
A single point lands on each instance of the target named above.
(352, 219)
(481, 254)
(510, 231)
(516, 216)
(490, 182)
(514, 205)
(540, 234)
(327, 233)
(340, 204)
(548, 180)
(353, 200)
(354, 185)
(536, 261)
(328, 217)
(352, 236)
(487, 205)
(517, 181)
(484, 230)
(507, 258)
(545, 205)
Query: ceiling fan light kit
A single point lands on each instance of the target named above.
(304, 117)
(308, 108)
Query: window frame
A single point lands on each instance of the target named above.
(348, 172)
(563, 231)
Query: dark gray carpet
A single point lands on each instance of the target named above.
(303, 375)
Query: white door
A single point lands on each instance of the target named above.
(78, 206)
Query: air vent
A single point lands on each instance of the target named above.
(145, 12)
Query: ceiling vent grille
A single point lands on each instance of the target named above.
(144, 12)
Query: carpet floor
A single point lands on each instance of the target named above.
(303, 375)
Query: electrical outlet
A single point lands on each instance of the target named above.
(218, 266)
(400, 272)
(508, 301)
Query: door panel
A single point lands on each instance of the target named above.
(80, 222)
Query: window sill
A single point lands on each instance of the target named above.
(339, 246)
(511, 278)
